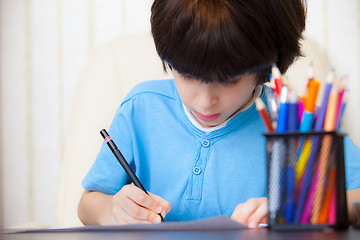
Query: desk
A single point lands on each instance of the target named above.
(261, 234)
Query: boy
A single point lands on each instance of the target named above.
(195, 142)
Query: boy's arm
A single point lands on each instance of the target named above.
(95, 208)
(129, 205)
(351, 197)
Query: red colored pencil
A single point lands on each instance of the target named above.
(260, 107)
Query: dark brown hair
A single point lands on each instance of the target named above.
(216, 40)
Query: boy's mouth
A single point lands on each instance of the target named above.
(207, 118)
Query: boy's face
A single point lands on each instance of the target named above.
(213, 103)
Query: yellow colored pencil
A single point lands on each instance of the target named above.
(301, 163)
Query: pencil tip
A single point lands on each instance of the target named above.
(259, 104)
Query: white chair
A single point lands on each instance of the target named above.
(110, 73)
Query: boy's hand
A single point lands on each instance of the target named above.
(132, 205)
(252, 212)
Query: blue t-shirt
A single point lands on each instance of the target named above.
(201, 175)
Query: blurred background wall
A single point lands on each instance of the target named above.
(44, 45)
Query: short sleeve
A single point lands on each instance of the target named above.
(352, 164)
(106, 174)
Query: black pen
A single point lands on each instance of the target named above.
(124, 163)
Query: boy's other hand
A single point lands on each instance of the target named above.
(132, 205)
(252, 212)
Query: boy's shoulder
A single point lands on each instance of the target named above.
(164, 87)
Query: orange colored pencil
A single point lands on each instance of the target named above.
(324, 156)
(323, 218)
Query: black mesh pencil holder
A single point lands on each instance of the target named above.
(306, 180)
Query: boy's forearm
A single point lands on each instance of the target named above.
(95, 208)
(352, 196)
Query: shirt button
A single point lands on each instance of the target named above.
(205, 143)
(196, 170)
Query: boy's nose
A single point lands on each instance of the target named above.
(207, 96)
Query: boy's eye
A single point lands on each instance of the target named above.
(231, 83)
(186, 77)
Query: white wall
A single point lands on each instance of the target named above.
(44, 45)
(335, 27)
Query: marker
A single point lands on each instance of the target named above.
(292, 120)
(260, 107)
(292, 125)
(307, 156)
(123, 163)
(306, 93)
(308, 116)
(309, 106)
(283, 111)
(305, 164)
(300, 110)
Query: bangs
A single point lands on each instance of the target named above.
(213, 42)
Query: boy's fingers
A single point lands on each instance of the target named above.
(121, 217)
(141, 198)
(258, 216)
(134, 213)
(244, 210)
(140, 206)
(244, 213)
(166, 206)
